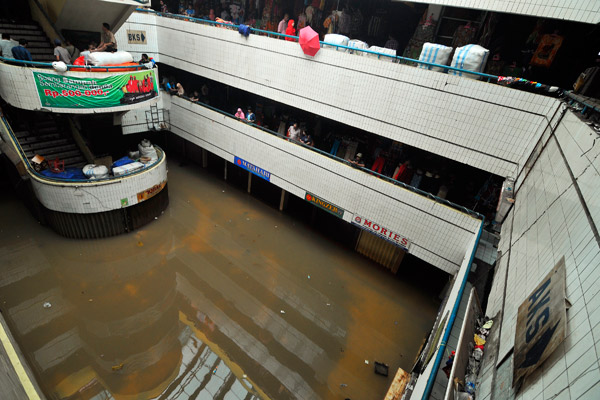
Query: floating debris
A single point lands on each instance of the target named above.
(367, 362)
(308, 276)
(47, 305)
(117, 367)
(283, 312)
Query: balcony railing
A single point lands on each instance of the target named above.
(41, 177)
(89, 68)
(336, 158)
(399, 59)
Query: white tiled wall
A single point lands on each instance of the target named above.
(440, 235)
(574, 10)
(484, 125)
(548, 222)
(18, 88)
(139, 22)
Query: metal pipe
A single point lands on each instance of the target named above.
(442, 348)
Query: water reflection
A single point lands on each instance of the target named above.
(221, 298)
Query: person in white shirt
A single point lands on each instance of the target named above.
(6, 45)
(294, 132)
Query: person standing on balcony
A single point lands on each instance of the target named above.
(290, 31)
(190, 12)
(72, 50)
(250, 116)
(20, 52)
(6, 45)
(283, 24)
(240, 114)
(61, 53)
(163, 7)
(294, 132)
(107, 40)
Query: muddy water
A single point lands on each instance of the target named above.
(222, 297)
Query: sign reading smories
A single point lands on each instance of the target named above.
(381, 231)
(541, 323)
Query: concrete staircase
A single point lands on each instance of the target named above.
(39, 45)
(45, 135)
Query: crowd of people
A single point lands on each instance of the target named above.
(382, 157)
(11, 49)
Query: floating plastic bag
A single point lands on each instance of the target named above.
(471, 57)
(436, 54)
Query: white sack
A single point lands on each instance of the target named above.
(334, 38)
(471, 57)
(435, 53)
(357, 44)
(383, 50)
(93, 171)
(106, 58)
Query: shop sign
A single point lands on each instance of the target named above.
(325, 205)
(148, 193)
(116, 90)
(266, 175)
(382, 232)
(136, 37)
(541, 323)
(124, 202)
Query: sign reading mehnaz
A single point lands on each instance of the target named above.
(117, 90)
(541, 323)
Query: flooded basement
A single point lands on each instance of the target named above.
(223, 297)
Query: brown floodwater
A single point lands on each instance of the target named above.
(222, 297)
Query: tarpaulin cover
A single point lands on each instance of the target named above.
(68, 173)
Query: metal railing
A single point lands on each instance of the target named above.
(400, 59)
(420, 192)
(88, 68)
(42, 177)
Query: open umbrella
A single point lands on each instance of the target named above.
(309, 41)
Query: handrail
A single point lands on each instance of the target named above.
(31, 171)
(442, 349)
(281, 35)
(45, 14)
(575, 97)
(69, 67)
(418, 191)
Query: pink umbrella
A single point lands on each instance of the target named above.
(309, 41)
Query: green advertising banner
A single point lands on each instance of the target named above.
(117, 90)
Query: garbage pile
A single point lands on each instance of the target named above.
(466, 390)
(144, 157)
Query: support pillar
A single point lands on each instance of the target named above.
(249, 181)
(225, 171)
(283, 201)
(204, 158)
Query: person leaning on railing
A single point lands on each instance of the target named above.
(6, 46)
(20, 52)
